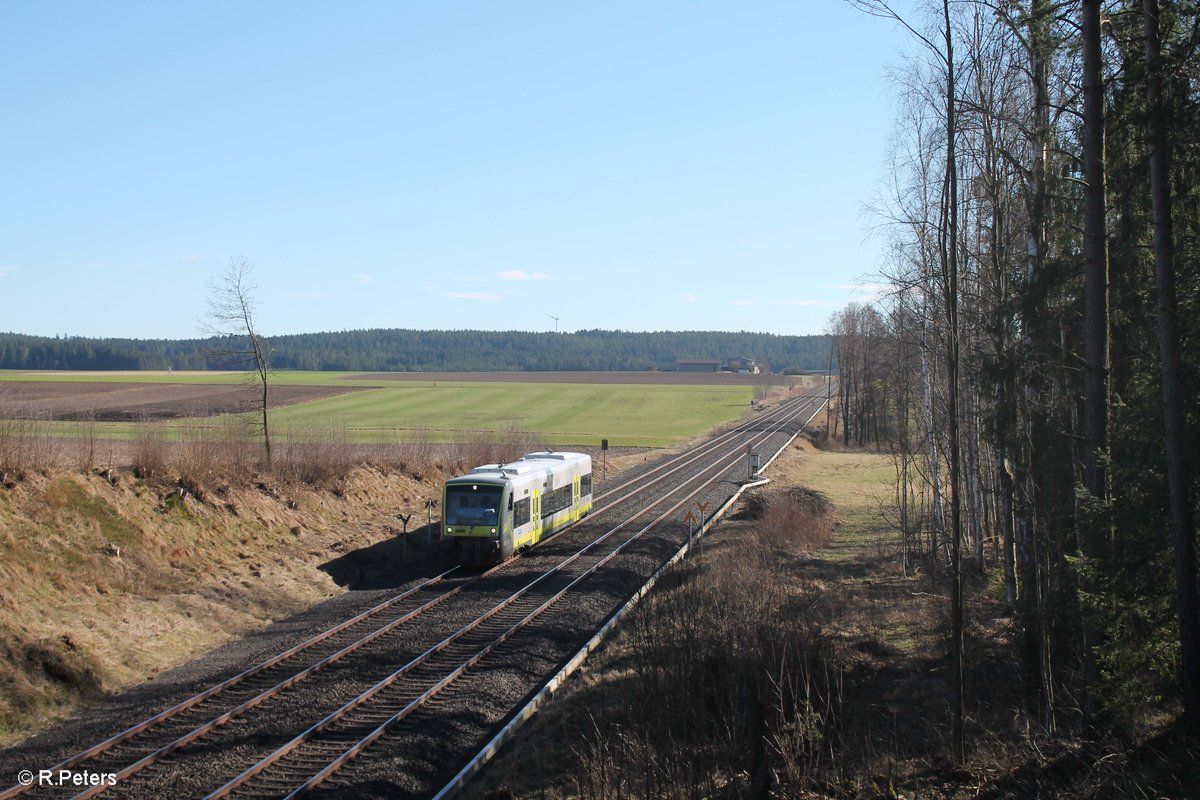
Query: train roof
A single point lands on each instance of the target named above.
(551, 455)
(525, 465)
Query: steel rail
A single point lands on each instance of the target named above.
(522, 715)
(474, 660)
(679, 462)
(785, 412)
(717, 469)
(715, 442)
(718, 472)
(191, 702)
(131, 732)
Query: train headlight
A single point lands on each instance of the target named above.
(449, 530)
(493, 531)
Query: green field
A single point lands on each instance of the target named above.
(650, 416)
(392, 411)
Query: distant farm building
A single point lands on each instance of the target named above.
(698, 365)
(740, 365)
(744, 366)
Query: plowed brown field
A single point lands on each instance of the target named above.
(128, 402)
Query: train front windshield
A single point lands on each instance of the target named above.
(473, 504)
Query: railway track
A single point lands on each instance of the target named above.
(481, 615)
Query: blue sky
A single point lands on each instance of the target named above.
(634, 165)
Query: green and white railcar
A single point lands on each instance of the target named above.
(497, 509)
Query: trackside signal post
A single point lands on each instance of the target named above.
(430, 505)
(752, 462)
(404, 518)
(690, 518)
(603, 459)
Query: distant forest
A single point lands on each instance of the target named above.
(395, 350)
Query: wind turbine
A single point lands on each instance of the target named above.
(551, 316)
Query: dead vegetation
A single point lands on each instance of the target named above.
(722, 684)
(200, 451)
(108, 579)
(119, 560)
(787, 662)
(724, 687)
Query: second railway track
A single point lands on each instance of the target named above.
(387, 679)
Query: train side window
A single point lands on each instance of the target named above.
(557, 500)
(585, 485)
(521, 512)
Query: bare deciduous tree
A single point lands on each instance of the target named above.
(231, 320)
(1020, 214)
(947, 233)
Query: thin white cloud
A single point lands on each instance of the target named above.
(862, 292)
(741, 302)
(688, 297)
(522, 275)
(803, 303)
(193, 257)
(365, 277)
(7, 269)
(310, 295)
(860, 288)
(490, 298)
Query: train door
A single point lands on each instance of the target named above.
(535, 514)
(506, 528)
(575, 499)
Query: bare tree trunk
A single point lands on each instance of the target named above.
(1096, 324)
(904, 512)
(936, 527)
(1178, 474)
(261, 361)
(844, 385)
(904, 435)
(974, 481)
(1031, 600)
(829, 391)
(949, 236)
(1005, 516)
(1045, 665)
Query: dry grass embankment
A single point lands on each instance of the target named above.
(104, 583)
(109, 575)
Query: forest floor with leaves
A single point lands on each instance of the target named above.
(884, 717)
